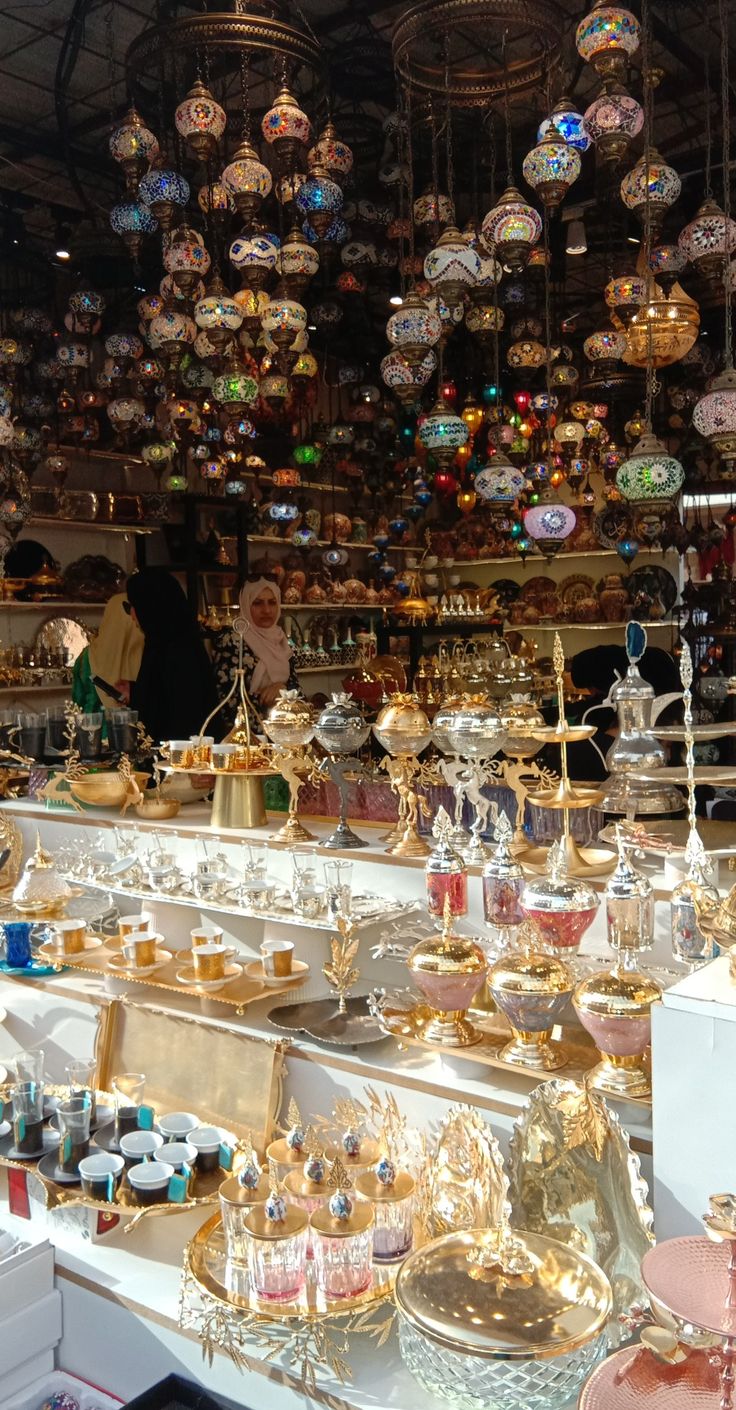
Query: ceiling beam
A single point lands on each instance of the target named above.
(41, 144)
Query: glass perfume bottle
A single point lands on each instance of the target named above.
(629, 901)
(445, 871)
(276, 1234)
(503, 883)
(391, 1193)
(342, 1237)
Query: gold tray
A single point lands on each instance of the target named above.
(236, 993)
(407, 1025)
(206, 1262)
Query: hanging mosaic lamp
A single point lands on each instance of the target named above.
(166, 193)
(296, 262)
(664, 189)
(247, 180)
(714, 417)
(133, 146)
(551, 168)
(662, 328)
(319, 200)
(708, 240)
(612, 120)
(131, 220)
(607, 37)
(200, 121)
(511, 230)
(499, 482)
(605, 348)
(414, 329)
(549, 523)
(218, 315)
(443, 433)
(570, 124)
(235, 390)
(330, 152)
(452, 267)
(254, 258)
(186, 259)
(286, 128)
(649, 473)
(665, 263)
(625, 294)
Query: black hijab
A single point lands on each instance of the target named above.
(175, 689)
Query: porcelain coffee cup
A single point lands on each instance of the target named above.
(206, 1141)
(206, 935)
(101, 1174)
(176, 1125)
(178, 1154)
(277, 958)
(150, 1182)
(68, 936)
(139, 1146)
(128, 925)
(139, 949)
(209, 962)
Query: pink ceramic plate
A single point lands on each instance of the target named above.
(690, 1278)
(634, 1378)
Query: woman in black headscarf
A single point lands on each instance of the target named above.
(175, 689)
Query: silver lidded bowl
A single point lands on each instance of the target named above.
(501, 1320)
(474, 728)
(289, 723)
(340, 727)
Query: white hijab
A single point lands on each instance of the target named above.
(269, 645)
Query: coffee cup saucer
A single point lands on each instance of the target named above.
(188, 978)
(119, 965)
(255, 970)
(49, 1168)
(50, 952)
(9, 1151)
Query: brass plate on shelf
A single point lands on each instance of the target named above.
(408, 1026)
(713, 774)
(206, 1262)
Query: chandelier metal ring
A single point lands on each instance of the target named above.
(234, 32)
(468, 87)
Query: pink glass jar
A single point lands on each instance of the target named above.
(391, 1195)
(276, 1233)
(306, 1189)
(342, 1235)
(236, 1202)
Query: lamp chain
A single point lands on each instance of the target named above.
(448, 135)
(548, 329)
(403, 166)
(648, 101)
(410, 182)
(723, 18)
(708, 185)
(245, 92)
(507, 113)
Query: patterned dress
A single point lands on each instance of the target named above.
(225, 656)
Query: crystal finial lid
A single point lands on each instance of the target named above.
(545, 1301)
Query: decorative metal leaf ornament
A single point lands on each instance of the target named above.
(575, 1178)
(464, 1184)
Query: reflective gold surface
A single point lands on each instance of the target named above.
(456, 1302)
(272, 1230)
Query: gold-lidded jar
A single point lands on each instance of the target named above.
(238, 1195)
(501, 1321)
(290, 721)
(402, 726)
(532, 990)
(391, 1193)
(276, 1235)
(448, 970)
(342, 1239)
(615, 1008)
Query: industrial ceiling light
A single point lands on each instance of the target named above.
(61, 243)
(576, 243)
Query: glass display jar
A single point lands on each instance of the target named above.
(342, 1238)
(276, 1235)
(391, 1194)
(238, 1196)
(537, 1329)
(306, 1189)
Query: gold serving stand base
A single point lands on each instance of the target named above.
(535, 1051)
(626, 1077)
(238, 801)
(580, 861)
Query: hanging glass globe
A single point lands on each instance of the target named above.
(166, 193)
(612, 120)
(306, 367)
(605, 348)
(286, 128)
(247, 181)
(665, 263)
(569, 433)
(442, 433)
(714, 417)
(319, 200)
(297, 262)
(413, 329)
(252, 303)
(254, 258)
(171, 330)
(625, 294)
(708, 239)
(186, 259)
(214, 197)
(551, 168)
(235, 390)
(431, 209)
(284, 322)
(134, 147)
(452, 267)
(484, 321)
(570, 124)
(607, 37)
(328, 151)
(511, 229)
(663, 328)
(499, 482)
(527, 352)
(218, 315)
(664, 189)
(404, 379)
(649, 473)
(490, 274)
(131, 220)
(123, 345)
(200, 120)
(274, 391)
(549, 524)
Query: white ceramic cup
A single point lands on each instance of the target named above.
(277, 958)
(138, 1146)
(176, 1153)
(176, 1125)
(150, 1182)
(206, 1141)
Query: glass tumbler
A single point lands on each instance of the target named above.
(29, 1066)
(74, 1117)
(339, 888)
(28, 1117)
(31, 734)
(127, 1090)
(122, 730)
(81, 1078)
(343, 1263)
(89, 735)
(56, 728)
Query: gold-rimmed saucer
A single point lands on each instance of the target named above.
(254, 970)
(50, 952)
(187, 978)
(118, 965)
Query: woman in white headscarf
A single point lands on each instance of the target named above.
(266, 650)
